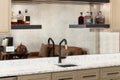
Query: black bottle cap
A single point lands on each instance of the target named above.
(91, 13)
(19, 12)
(26, 10)
(81, 13)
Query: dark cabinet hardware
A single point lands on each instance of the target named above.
(89, 76)
(66, 79)
(114, 73)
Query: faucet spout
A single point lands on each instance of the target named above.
(53, 46)
(60, 57)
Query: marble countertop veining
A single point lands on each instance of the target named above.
(45, 65)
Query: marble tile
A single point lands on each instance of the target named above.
(45, 65)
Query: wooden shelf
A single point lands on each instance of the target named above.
(26, 27)
(90, 26)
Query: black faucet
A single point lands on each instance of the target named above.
(60, 57)
(53, 46)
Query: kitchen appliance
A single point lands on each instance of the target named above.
(7, 43)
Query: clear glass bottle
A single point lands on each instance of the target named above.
(26, 17)
(81, 19)
(100, 19)
(20, 18)
(13, 18)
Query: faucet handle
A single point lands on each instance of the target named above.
(66, 47)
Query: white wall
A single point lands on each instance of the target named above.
(109, 42)
(55, 20)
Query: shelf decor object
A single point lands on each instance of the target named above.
(89, 26)
(26, 27)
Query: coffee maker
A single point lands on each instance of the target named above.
(7, 43)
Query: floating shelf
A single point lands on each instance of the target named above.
(98, 1)
(26, 26)
(61, 1)
(90, 26)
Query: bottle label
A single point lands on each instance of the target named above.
(99, 20)
(88, 20)
(27, 18)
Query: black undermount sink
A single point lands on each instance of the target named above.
(67, 65)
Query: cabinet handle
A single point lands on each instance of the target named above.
(66, 79)
(9, 77)
(89, 76)
(113, 73)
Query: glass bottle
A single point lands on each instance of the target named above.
(87, 19)
(99, 19)
(81, 19)
(13, 18)
(26, 17)
(91, 14)
(20, 18)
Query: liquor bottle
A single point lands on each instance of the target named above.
(99, 19)
(87, 19)
(26, 17)
(81, 19)
(91, 14)
(20, 18)
(13, 18)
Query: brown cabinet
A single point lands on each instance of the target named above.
(92, 74)
(5, 13)
(35, 77)
(110, 73)
(115, 15)
(63, 76)
(9, 78)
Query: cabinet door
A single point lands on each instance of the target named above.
(110, 73)
(35, 77)
(110, 79)
(115, 15)
(63, 76)
(10, 78)
(92, 74)
(5, 13)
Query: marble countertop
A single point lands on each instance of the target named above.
(45, 65)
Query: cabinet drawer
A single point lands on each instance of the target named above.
(35, 77)
(9, 78)
(63, 76)
(111, 72)
(111, 79)
(92, 74)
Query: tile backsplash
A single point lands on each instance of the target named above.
(109, 42)
(55, 20)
